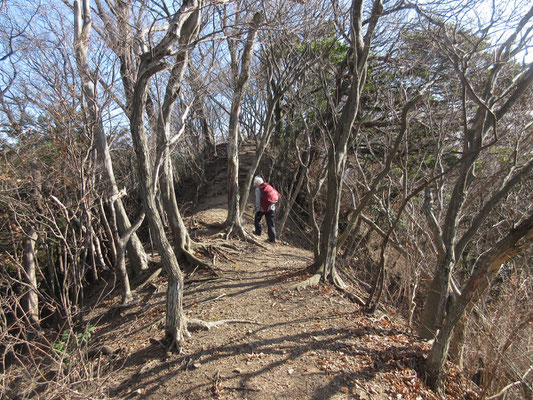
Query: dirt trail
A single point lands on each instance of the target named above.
(312, 344)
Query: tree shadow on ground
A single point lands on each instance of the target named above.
(275, 352)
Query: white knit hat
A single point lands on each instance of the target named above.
(258, 181)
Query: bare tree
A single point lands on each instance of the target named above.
(165, 139)
(241, 74)
(184, 21)
(284, 59)
(486, 101)
(127, 296)
(485, 270)
(119, 33)
(90, 80)
(339, 140)
(32, 295)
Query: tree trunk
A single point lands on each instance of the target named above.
(265, 140)
(431, 319)
(110, 234)
(339, 141)
(457, 342)
(137, 255)
(181, 241)
(151, 63)
(83, 24)
(450, 247)
(180, 234)
(330, 225)
(289, 204)
(485, 270)
(31, 298)
(175, 319)
(201, 113)
(435, 304)
(121, 264)
(210, 144)
(233, 220)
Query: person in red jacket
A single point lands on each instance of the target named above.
(266, 198)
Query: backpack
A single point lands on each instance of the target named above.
(269, 195)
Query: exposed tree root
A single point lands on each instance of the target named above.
(234, 231)
(173, 343)
(194, 324)
(229, 246)
(169, 343)
(200, 247)
(195, 247)
(174, 346)
(339, 284)
(213, 225)
(151, 278)
(237, 231)
(216, 250)
(313, 281)
(356, 281)
(192, 260)
(127, 301)
(353, 297)
(197, 324)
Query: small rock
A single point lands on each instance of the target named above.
(237, 371)
(196, 365)
(290, 371)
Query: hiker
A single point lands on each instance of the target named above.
(266, 198)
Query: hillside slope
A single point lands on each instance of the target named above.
(278, 344)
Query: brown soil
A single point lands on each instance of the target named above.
(286, 344)
(309, 344)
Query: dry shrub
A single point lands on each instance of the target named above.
(499, 341)
(41, 363)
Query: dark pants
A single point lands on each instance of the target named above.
(269, 216)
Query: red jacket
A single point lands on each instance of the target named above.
(269, 195)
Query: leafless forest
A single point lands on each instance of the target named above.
(399, 133)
